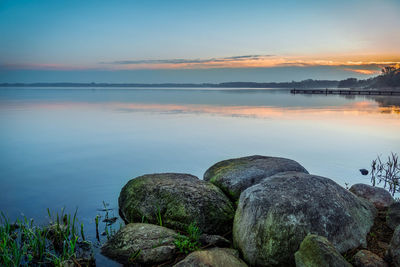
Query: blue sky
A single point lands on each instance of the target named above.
(196, 41)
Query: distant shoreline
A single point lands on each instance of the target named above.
(286, 85)
(306, 84)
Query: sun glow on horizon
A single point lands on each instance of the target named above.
(366, 65)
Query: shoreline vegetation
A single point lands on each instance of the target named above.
(388, 79)
(248, 211)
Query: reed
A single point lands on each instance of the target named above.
(25, 244)
(386, 173)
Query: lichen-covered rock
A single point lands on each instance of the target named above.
(177, 200)
(141, 243)
(393, 215)
(216, 257)
(394, 247)
(274, 216)
(365, 258)
(380, 197)
(317, 251)
(235, 175)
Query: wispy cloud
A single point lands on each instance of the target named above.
(41, 66)
(363, 71)
(186, 61)
(365, 66)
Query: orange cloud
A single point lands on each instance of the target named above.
(362, 71)
(367, 65)
(362, 64)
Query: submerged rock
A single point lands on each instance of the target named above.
(141, 243)
(380, 197)
(393, 215)
(176, 200)
(216, 257)
(274, 216)
(317, 251)
(365, 258)
(235, 175)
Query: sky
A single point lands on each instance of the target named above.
(196, 41)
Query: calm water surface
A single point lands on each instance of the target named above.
(78, 147)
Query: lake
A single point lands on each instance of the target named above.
(77, 147)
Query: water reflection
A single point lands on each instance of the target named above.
(79, 147)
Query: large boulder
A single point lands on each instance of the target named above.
(393, 215)
(365, 258)
(235, 175)
(380, 197)
(216, 257)
(175, 201)
(317, 251)
(394, 248)
(141, 243)
(274, 216)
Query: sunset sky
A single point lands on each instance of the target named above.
(196, 41)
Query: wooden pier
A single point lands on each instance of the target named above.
(343, 92)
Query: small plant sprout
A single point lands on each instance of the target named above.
(159, 217)
(135, 255)
(96, 219)
(82, 232)
(190, 242)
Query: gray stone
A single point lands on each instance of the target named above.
(380, 197)
(179, 200)
(365, 258)
(235, 175)
(393, 215)
(151, 243)
(274, 216)
(216, 257)
(317, 251)
(394, 247)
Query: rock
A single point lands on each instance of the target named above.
(316, 251)
(376, 195)
(364, 171)
(151, 243)
(214, 240)
(78, 262)
(365, 258)
(393, 215)
(179, 199)
(216, 257)
(274, 216)
(394, 247)
(233, 176)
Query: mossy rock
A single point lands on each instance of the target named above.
(317, 251)
(178, 200)
(141, 243)
(235, 175)
(215, 257)
(274, 216)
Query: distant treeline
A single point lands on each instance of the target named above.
(303, 84)
(390, 78)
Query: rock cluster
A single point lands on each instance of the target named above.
(256, 211)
